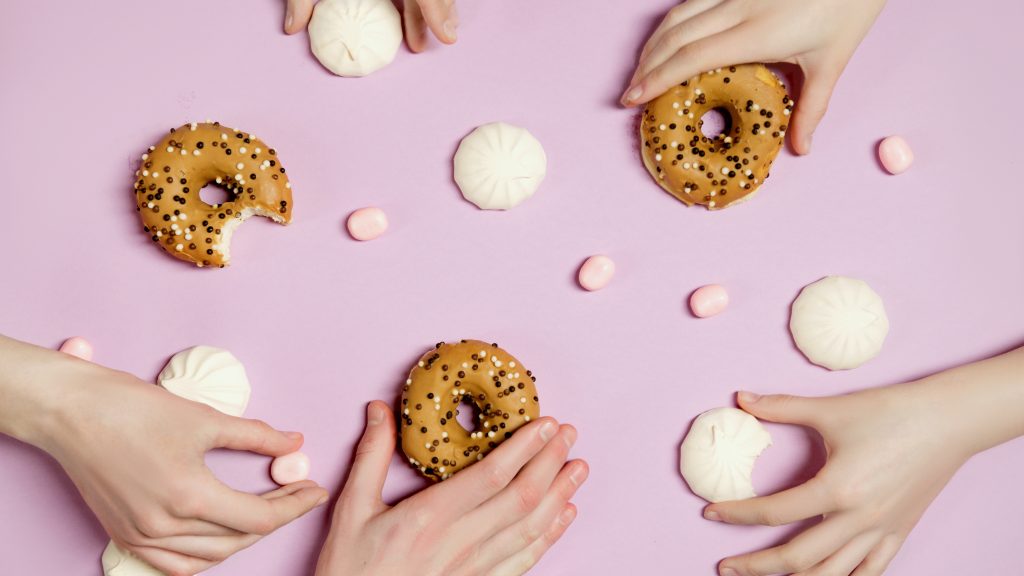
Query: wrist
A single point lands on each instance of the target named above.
(33, 386)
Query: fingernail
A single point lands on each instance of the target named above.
(374, 414)
(322, 500)
(728, 572)
(748, 397)
(547, 430)
(633, 94)
(712, 515)
(567, 516)
(569, 437)
(289, 19)
(579, 475)
(293, 435)
(449, 30)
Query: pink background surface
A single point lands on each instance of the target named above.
(325, 324)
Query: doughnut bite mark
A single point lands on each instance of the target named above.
(173, 172)
(489, 379)
(716, 172)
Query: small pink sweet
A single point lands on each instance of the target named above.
(708, 300)
(290, 468)
(367, 223)
(895, 154)
(596, 272)
(78, 347)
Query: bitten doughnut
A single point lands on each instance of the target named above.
(722, 170)
(470, 372)
(173, 172)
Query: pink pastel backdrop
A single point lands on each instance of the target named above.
(325, 324)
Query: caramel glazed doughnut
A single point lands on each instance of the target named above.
(196, 155)
(471, 371)
(723, 170)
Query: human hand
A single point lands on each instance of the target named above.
(889, 455)
(135, 452)
(497, 517)
(819, 36)
(440, 16)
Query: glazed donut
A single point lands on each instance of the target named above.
(484, 375)
(720, 171)
(173, 172)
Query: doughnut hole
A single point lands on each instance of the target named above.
(716, 122)
(468, 415)
(215, 195)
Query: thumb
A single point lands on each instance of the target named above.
(297, 15)
(811, 107)
(256, 436)
(782, 408)
(370, 466)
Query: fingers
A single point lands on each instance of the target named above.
(675, 16)
(521, 535)
(811, 107)
(524, 560)
(530, 487)
(212, 548)
(441, 17)
(170, 563)
(808, 500)
(362, 492)
(846, 559)
(783, 408)
(255, 436)
(415, 27)
(297, 15)
(257, 515)
(801, 553)
(687, 32)
(723, 49)
(879, 558)
(475, 485)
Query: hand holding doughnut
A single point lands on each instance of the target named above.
(496, 518)
(819, 36)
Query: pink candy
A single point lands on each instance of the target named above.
(895, 154)
(78, 347)
(367, 223)
(708, 300)
(290, 468)
(596, 272)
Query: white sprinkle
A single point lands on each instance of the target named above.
(657, 157)
(522, 400)
(174, 219)
(490, 434)
(239, 166)
(441, 469)
(762, 132)
(426, 445)
(421, 364)
(219, 181)
(195, 152)
(465, 364)
(408, 381)
(145, 156)
(170, 148)
(183, 216)
(406, 411)
(288, 185)
(725, 170)
(193, 126)
(527, 418)
(698, 91)
(711, 204)
(150, 205)
(757, 107)
(145, 172)
(479, 457)
(179, 247)
(482, 354)
(714, 193)
(188, 236)
(786, 111)
(662, 127)
(679, 113)
(258, 150)
(688, 103)
(675, 105)
(238, 177)
(223, 136)
(444, 434)
(686, 165)
(242, 150)
(437, 406)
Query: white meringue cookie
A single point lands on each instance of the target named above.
(355, 37)
(717, 456)
(118, 562)
(497, 166)
(838, 322)
(208, 375)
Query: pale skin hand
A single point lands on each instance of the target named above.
(135, 453)
(495, 518)
(439, 16)
(890, 452)
(819, 36)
